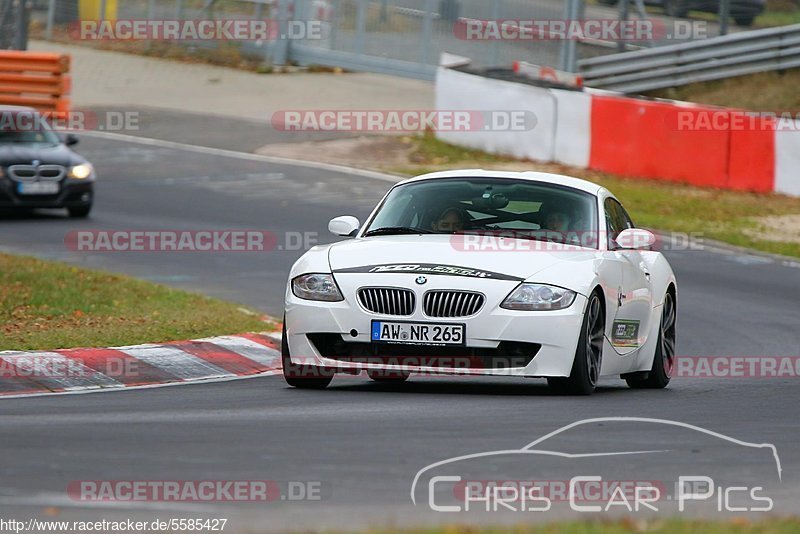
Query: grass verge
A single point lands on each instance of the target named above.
(48, 305)
(734, 217)
(736, 526)
(765, 91)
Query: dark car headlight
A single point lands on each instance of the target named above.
(81, 172)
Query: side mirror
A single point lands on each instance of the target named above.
(346, 225)
(70, 139)
(635, 239)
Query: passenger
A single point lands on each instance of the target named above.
(449, 221)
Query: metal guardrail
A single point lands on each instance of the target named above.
(697, 61)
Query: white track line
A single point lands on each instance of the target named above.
(245, 155)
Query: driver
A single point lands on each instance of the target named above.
(557, 220)
(450, 220)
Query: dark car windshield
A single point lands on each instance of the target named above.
(25, 127)
(504, 207)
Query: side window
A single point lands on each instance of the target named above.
(617, 220)
(625, 216)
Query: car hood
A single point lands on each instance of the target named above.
(25, 154)
(446, 254)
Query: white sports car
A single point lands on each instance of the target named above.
(485, 273)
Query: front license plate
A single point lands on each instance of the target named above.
(418, 333)
(38, 188)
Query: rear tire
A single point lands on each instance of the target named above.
(394, 377)
(664, 358)
(79, 212)
(588, 356)
(302, 376)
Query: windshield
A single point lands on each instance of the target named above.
(504, 207)
(25, 127)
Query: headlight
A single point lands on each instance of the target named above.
(535, 297)
(81, 172)
(316, 287)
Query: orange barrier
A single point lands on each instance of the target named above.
(35, 79)
(635, 137)
(752, 155)
(699, 145)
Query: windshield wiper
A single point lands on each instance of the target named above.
(396, 230)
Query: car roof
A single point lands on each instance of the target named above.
(558, 179)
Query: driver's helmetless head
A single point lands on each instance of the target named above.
(451, 220)
(557, 220)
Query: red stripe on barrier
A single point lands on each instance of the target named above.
(222, 358)
(120, 366)
(641, 138)
(752, 156)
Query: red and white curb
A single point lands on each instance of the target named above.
(24, 373)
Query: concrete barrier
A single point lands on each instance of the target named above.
(635, 137)
(459, 91)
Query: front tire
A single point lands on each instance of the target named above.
(302, 376)
(588, 356)
(664, 358)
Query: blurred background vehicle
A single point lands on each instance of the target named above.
(743, 12)
(37, 167)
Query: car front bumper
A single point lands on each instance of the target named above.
(498, 341)
(73, 193)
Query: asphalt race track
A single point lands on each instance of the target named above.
(362, 442)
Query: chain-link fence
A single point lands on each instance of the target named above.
(400, 36)
(14, 19)
(405, 37)
(420, 30)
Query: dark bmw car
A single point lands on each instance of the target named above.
(743, 12)
(37, 167)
